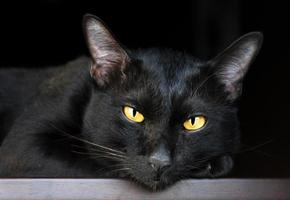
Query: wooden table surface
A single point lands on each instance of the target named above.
(104, 189)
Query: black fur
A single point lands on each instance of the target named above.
(61, 122)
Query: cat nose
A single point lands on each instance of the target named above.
(160, 157)
(158, 164)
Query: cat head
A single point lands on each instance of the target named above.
(160, 115)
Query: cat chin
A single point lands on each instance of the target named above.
(216, 168)
(157, 185)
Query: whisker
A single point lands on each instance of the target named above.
(120, 164)
(112, 158)
(98, 155)
(83, 153)
(113, 154)
(254, 147)
(101, 151)
(122, 169)
(86, 141)
(111, 167)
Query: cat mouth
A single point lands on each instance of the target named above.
(164, 178)
(159, 182)
(140, 172)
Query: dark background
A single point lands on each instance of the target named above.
(47, 32)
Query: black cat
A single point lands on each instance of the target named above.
(153, 115)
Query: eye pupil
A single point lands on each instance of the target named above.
(192, 120)
(194, 123)
(134, 113)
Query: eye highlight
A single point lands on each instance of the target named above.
(194, 123)
(132, 114)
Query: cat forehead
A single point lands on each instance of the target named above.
(169, 77)
(169, 65)
(169, 68)
(167, 58)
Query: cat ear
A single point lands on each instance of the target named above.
(108, 57)
(232, 64)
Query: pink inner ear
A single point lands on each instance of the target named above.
(101, 75)
(234, 63)
(231, 75)
(106, 64)
(106, 53)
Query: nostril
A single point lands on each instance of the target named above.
(153, 163)
(160, 157)
(158, 164)
(159, 168)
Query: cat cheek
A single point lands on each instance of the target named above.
(221, 166)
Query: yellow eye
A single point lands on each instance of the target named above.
(194, 123)
(133, 114)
